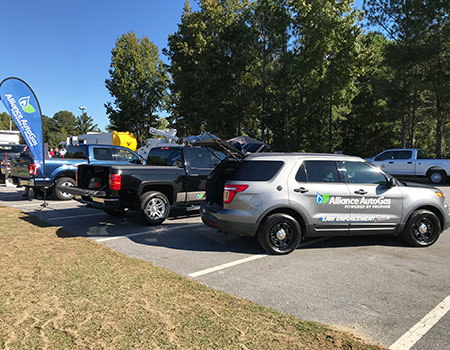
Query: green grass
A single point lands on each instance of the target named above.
(70, 293)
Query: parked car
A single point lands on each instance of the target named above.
(8, 152)
(61, 172)
(283, 198)
(175, 175)
(412, 162)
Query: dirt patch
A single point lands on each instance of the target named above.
(70, 293)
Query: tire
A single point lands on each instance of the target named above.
(437, 176)
(272, 231)
(154, 207)
(115, 212)
(422, 229)
(64, 181)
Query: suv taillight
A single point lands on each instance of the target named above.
(115, 182)
(33, 168)
(230, 191)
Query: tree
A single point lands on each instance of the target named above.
(419, 56)
(6, 121)
(66, 120)
(85, 123)
(138, 83)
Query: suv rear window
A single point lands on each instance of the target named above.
(261, 170)
(76, 152)
(165, 156)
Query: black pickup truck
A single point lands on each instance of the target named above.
(175, 175)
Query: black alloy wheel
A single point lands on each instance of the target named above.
(422, 229)
(279, 234)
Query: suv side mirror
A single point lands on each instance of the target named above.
(390, 182)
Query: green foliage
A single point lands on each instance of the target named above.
(257, 68)
(6, 121)
(138, 83)
(85, 124)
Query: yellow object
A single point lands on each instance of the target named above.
(124, 139)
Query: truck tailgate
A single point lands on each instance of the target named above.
(20, 168)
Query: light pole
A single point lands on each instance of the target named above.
(82, 108)
(330, 57)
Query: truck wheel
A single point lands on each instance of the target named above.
(154, 207)
(422, 229)
(437, 176)
(64, 181)
(279, 234)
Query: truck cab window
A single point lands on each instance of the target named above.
(103, 153)
(124, 155)
(403, 155)
(384, 156)
(200, 158)
(164, 156)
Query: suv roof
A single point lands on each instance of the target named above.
(327, 156)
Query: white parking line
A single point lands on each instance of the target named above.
(411, 337)
(50, 204)
(72, 217)
(164, 228)
(245, 260)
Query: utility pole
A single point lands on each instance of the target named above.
(330, 57)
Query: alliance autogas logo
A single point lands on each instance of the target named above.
(26, 105)
(322, 198)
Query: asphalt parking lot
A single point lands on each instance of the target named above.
(375, 287)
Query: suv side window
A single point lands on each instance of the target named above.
(301, 174)
(384, 156)
(124, 155)
(101, 153)
(362, 173)
(321, 171)
(199, 158)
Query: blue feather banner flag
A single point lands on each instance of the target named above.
(24, 108)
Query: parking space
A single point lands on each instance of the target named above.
(375, 287)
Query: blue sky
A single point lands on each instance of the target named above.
(62, 49)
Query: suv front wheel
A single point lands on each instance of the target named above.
(422, 229)
(279, 234)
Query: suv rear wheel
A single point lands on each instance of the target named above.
(422, 229)
(279, 234)
(154, 207)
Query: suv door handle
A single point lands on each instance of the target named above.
(301, 190)
(409, 162)
(391, 162)
(360, 192)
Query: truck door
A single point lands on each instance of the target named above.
(403, 162)
(375, 207)
(385, 161)
(199, 164)
(317, 190)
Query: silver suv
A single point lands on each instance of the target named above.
(283, 198)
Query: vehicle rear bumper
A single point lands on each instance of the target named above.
(99, 198)
(218, 220)
(38, 182)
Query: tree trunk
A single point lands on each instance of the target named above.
(438, 128)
